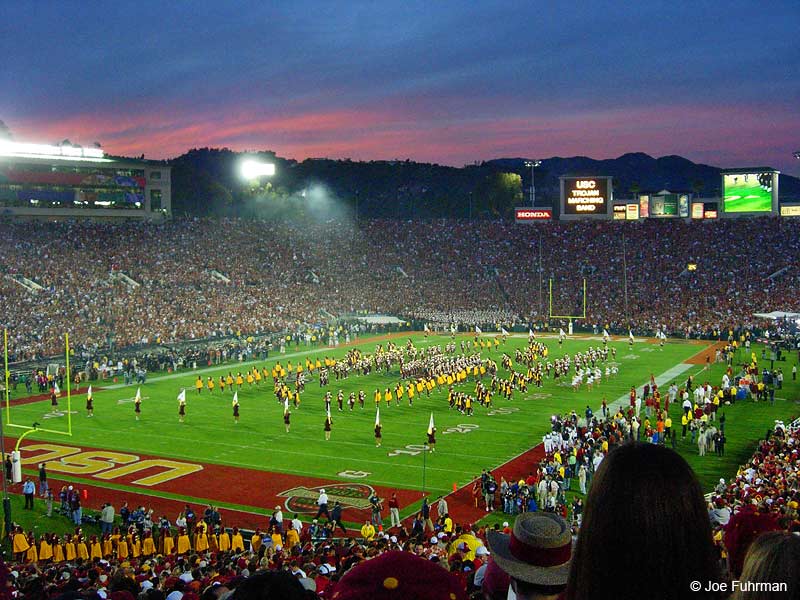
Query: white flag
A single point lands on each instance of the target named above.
(605, 334)
(56, 391)
(561, 333)
(431, 425)
(138, 394)
(182, 396)
(377, 416)
(89, 393)
(503, 331)
(453, 328)
(425, 328)
(235, 399)
(478, 330)
(630, 334)
(531, 334)
(286, 406)
(328, 413)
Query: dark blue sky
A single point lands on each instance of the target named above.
(448, 82)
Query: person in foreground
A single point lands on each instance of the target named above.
(771, 568)
(646, 531)
(536, 555)
(398, 576)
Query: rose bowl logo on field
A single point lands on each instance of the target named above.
(303, 499)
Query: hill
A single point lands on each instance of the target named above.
(638, 171)
(206, 182)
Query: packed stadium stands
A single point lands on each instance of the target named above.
(282, 275)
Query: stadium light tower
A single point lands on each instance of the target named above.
(252, 169)
(533, 164)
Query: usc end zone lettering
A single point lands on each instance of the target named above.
(105, 465)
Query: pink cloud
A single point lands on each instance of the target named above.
(724, 135)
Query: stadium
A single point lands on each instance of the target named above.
(174, 382)
(330, 372)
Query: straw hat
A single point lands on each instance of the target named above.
(538, 550)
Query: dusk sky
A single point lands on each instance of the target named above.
(439, 81)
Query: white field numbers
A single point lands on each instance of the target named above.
(415, 449)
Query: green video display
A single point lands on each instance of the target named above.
(747, 192)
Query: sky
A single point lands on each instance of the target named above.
(433, 81)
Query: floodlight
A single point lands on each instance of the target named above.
(253, 169)
(533, 164)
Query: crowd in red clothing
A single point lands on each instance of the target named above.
(282, 273)
(763, 496)
(101, 567)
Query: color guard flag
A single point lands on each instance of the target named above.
(182, 396)
(235, 399)
(328, 413)
(561, 333)
(431, 425)
(630, 334)
(453, 328)
(605, 334)
(138, 394)
(531, 334)
(478, 330)
(425, 328)
(503, 331)
(56, 391)
(89, 393)
(286, 406)
(378, 416)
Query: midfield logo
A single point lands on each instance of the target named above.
(351, 495)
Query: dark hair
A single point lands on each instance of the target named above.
(270, 585)
(644, 520)
(773, 557)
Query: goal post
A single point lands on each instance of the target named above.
(35, 425)
(570, 317)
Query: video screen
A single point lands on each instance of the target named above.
(747, 192)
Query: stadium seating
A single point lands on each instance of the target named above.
(283, 274)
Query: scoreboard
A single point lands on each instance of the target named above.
(586, 197)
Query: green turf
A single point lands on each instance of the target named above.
(482, 441)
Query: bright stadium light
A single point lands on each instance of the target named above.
(797, 154)
(533, 164)
(61, 152)
(253, 169)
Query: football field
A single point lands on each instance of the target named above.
(252, 465)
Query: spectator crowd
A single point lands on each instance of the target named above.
(197, 279)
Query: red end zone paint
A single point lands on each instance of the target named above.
(211, 483)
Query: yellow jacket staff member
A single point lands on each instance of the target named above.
(368, 531)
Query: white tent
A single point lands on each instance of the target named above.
(777, 314)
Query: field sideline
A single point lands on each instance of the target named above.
(252, 465)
